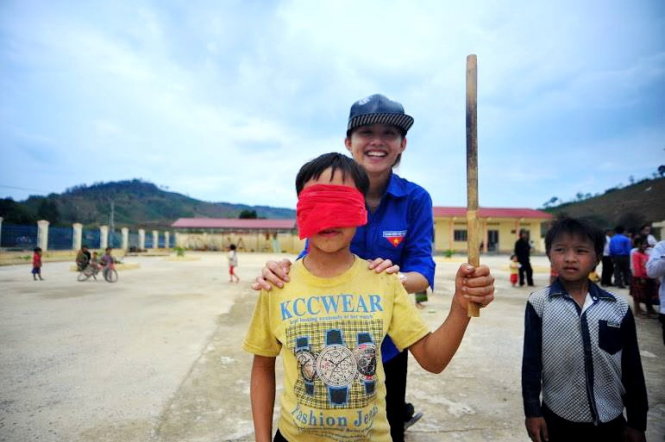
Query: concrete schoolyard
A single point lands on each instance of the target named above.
(156, 356)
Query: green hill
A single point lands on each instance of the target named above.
(136, 203)
(630, 206)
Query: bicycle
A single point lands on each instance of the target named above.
(109, 272)
(87, 272)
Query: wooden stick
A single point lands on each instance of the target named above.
(473, 240)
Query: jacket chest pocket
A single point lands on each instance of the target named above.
(609, 336)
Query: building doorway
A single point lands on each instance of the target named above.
(492, 240)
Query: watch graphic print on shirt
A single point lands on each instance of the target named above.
(336, 362)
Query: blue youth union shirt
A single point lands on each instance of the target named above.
(400, 229)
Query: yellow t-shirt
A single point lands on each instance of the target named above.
(329, 333)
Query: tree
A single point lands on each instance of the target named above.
(248, 214)
(661, 170)
(15, 213)
(48, 210)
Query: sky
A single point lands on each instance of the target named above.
(224, 100)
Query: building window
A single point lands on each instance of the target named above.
(459, 235)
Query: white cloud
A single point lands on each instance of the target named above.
(225, 101)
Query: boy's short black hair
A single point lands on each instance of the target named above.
(37, 249)
(337, 162)
(573, 226)
(232, 247)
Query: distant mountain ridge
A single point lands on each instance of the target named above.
(631, 206)
(135, 203)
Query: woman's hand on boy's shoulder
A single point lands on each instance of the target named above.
(273, 274)
(380, 265)
(474, 284)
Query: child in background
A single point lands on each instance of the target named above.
(94, 261)
(233, 263)
(514, 269)
(37, 264)
(329, 321)
(593, 276)
(106, 261)
(580, 350)
(421, 297)
(642, 288)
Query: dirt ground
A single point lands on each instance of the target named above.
(157, 357)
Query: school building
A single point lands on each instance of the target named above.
(249, 235)
(499, 229)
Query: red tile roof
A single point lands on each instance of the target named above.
(492, 212)
(234, 223)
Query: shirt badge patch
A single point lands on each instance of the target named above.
(395, 237)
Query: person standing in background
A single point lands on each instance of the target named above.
(233, 263)
(620, 248)
(656, 270)
(523, 252)
(645, 231)
(608, 267)
(514, 267)
(37, 264)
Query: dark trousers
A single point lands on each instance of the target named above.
(621, 270)
(661, 318)
(562, 430)
(526, 270)
(279, 437)
(395, 370)
(608, 270)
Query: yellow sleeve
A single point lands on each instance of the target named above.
(406, 325)
(260, 339)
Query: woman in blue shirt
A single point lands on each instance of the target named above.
(398, 235)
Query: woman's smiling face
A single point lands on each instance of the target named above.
(376, 147)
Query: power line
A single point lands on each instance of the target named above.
(24, 188)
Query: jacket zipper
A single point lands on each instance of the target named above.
(588, 365)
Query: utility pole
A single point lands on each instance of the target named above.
(111, 224)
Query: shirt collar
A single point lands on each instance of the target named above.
(556, 289)
(396, 186)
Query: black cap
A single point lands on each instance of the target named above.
(378, 109)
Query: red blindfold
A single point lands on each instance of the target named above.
(326, 206)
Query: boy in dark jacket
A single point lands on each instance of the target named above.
(580, 350)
